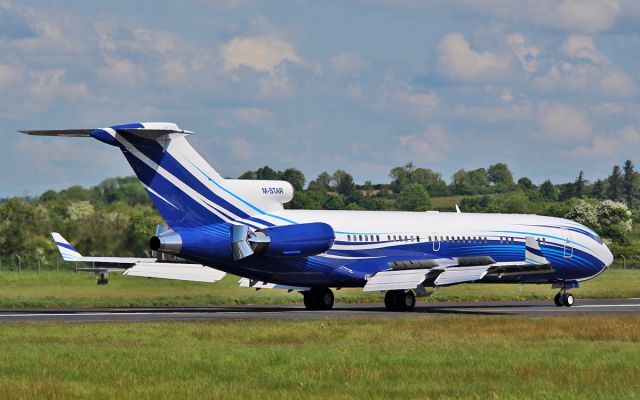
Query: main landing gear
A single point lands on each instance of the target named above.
(318, 299)
(400, 300)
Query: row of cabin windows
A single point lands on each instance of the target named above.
(411, 238)
(453, 239)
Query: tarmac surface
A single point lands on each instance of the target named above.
(614, 307)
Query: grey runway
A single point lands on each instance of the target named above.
(617, 307)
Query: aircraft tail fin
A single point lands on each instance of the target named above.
(185, 189)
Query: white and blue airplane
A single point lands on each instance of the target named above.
(218, 225)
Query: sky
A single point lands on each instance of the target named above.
(549, 87)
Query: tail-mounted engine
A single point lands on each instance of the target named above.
(298, 240)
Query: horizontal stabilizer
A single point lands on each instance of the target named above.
(69, 253)
(61, 132)
(176, 271)
(250, 283)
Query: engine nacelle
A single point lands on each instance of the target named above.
(188, 242)
(299, 240)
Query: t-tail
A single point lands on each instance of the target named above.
(185, 189)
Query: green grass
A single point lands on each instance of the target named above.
(400, 357)
(61, 289)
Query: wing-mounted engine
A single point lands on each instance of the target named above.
(300, 240)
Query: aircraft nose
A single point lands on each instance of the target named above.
(607, 256)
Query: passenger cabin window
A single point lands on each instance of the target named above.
(348, 238)
(377, 238)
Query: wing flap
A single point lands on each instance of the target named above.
(453, 275)
(176, 271)
(396, 279)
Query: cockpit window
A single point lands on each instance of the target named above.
(597, 238)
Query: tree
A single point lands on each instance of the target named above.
(295, 177)
(525, 184)
(343, 182)
(501, 177)
(548, 191)
(615, 189)
(431, 180)
(599, 190)
(266, 173)
(401, 176)
(610, 218)
(579, 185)
(321, 183)
(413, 197)
(629, 183)
(251, 175)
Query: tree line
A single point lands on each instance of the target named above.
(117, 216)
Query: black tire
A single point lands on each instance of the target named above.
(309, 301)
(318, 299)
(400, 300)
(568, 299)
(390, 300)
(408, 300)
(558, 300)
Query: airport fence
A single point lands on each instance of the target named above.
(30, 263)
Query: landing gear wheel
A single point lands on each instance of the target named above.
(400, 300)
(558, 300)
(568, 299)
(318, 299)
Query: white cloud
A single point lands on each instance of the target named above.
(607, 109)
(241, 149)
(584, 16)
(622, 144)
(8, 75)
(429, 145)
(587, 16)
(563, 124)
(263, 54)
(253, 116)
(348, 63)
(458, 61)
(585, 69)
(400, 97)
(526, 53)
(509, 112)
(49, 84)
(122, 72)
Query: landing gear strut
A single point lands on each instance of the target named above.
(318, 299)
(564, 298)
(400, 300)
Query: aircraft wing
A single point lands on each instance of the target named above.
(140, 266)
(443, 272)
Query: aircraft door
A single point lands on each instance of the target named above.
(436, 242)
(567, 245)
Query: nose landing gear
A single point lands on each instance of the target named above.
(564, 298)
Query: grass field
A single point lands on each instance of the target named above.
(401, 358)
(60, 289)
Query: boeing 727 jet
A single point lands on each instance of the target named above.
(217, 225)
